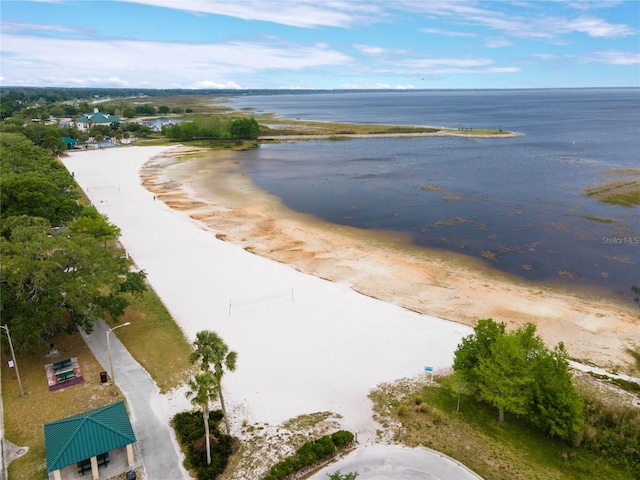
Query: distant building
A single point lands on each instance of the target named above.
(86, 121)
(71, 143)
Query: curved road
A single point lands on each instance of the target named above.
(156, 444)
(394, 462)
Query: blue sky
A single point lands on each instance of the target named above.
(320, 44)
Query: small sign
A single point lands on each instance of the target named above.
(10, 363)
(428, 369)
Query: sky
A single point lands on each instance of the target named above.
(320, 44)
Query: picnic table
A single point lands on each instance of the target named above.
(65, 376)
(62, 365)
(85, 465)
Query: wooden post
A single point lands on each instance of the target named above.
(56, 475)
(94, 468)
(129, 454)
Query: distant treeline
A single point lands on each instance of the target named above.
(213, 128)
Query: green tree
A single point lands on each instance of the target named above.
(56, 282)
(202, 390)
(515, 372)
(244, 128)
(53, 144)
(211, 351)
(556, 406)
(474, 348)
(95, 224)
(505, 378)
(35, 195)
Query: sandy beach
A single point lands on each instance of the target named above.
(595, 327)
(319, 315)
(305, 344)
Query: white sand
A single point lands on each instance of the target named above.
(304, 344)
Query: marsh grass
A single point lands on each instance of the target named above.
(624, 192)
(598, 219)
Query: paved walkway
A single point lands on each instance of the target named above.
(156, 444)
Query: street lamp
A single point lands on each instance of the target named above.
(113, 377)
(13, 356)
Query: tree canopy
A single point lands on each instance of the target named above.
(213, 127)
(516, 373)
(56, 272)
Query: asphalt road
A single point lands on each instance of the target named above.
(156, 446)
(396, 462)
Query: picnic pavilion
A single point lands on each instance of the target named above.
(85, 440)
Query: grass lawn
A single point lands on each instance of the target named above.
(24, 417)
(153, 339)
(422, 415)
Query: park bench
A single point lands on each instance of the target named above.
(64, 376)
(85, 465)
(62, 364)
(103, 459)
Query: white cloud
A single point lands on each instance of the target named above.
(370, 50)
(449, 62)
(593, 4)
(450, 65)
(22, 27)
(523, 26)
(29, 60)
(217, 85)
(604, 57)
(547, 56)
(377, 86)
(612, 57)
(298, 13)
(497, 43)
(596, 27)
(447, 33)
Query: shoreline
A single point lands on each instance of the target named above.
(595, 329)
(305, 345)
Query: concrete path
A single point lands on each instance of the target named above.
(156, 443)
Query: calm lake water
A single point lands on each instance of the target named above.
(516, 203)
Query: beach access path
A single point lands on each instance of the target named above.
(156, 445)
(304, 344)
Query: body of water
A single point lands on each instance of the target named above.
(517, 203)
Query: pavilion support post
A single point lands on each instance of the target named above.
(94, 468)
(56, 475)
(130, 454)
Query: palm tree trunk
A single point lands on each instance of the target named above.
(224, 410)
(205, 414)
(501, 415)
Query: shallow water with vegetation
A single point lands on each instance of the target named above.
(542, 206)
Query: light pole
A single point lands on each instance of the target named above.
(13, 356)
(113, 377)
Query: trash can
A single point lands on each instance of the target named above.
(103, 378)
(131, 475)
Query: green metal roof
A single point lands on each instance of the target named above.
(86, 435)
(69, 140)
(98, 118)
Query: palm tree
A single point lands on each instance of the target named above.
(211, 351)
(203, 389)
